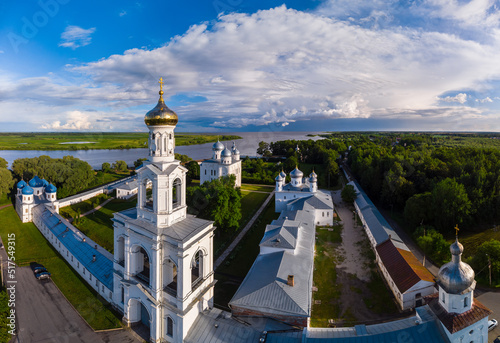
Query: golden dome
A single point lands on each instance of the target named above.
(161, 114)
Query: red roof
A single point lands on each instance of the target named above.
(457, 321)
(403, 267)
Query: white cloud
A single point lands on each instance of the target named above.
(485, 100)
(76, 120)
(122, 13)
(2, 52)
(75, 37)
(460, 98)
(283, 66)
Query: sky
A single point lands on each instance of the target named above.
(251, 65)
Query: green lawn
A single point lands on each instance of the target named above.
(98, 225)
(325, 277)
(71, 211)
(31, 246)
(236, 266)
(259, 188)
(5, 200)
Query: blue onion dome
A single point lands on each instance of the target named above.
(161, 114)
(226, 152)
(45, 182)
(296, 173)
(456, 277)
(35, 182)
(282, 174)
(279, 178)
(27, 190)
(218, 146)
(21, 184)
(50, 188)
(236, 151)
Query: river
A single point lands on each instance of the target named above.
(247, 146)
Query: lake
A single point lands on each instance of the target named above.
(247, 146)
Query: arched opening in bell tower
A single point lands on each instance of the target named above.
(176, 193)
(197, 269)
(170, 277)
(120, 251)
(145, 196)
(142, 265)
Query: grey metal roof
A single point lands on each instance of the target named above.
(280, 236)
(218, 326)
(426, 331)
(180, 231)
(72, 239)
(130, 185)
(319, 201)
(302, 188)
(377, 224)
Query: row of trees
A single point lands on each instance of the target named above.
(438, 186)
(69, 174)
(6, 180)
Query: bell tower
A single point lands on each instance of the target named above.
(163, 257)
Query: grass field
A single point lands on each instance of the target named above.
(233, 270)
(31, 246)
(98, 225)
(93, 140)
(325, 277)
(258, 188)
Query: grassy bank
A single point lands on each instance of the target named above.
(31, 246)
(93, 140)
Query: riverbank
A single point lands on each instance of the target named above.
(94, 140)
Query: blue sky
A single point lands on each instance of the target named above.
(242, 65)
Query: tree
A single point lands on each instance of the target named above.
(433, 244)
(193, 170)
(450, 203)
(418, 209)
(119, 166)
(138, 162)
(489, 249)
(290, 163)
(217, 200)
(349, 194)
(263, 148)
(106, 167)
(6, 179)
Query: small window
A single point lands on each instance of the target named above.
(170, 327)
(83, 271)
(102, 288)
(466, 302)
(26, 211)
(71, 258)
(205, 172)
(123, 295)
(90, 277)
(323, 214)
(471, 332)
(97, 283)
(77, 264)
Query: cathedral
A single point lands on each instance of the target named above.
(224, 162)
(163, 274)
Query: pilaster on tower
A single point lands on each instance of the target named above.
(161, 122)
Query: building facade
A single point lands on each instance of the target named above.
(224, 162)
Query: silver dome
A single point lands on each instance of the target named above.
(218, 146)
(226, 152)
(456, 277)
(296, 173)
(282, 174)
(279, 178)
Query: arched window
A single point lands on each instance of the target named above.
(197, 269)
(466, 302)
(170, 327)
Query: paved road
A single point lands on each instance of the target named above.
(44, 315)
(492, 301)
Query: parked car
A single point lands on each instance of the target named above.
(39, 269)
(42, 275)
(492, 324)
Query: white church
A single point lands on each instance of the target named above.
(224, 162)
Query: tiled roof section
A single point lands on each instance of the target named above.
(455, 322)
(404, 270)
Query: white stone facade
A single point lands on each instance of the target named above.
(224, 162)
